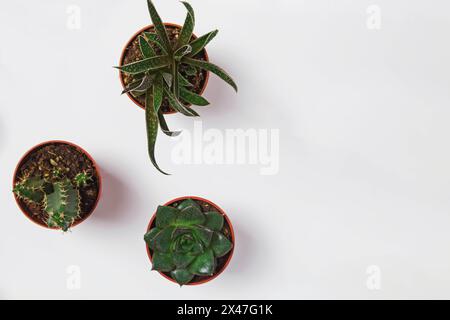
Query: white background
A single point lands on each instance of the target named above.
(364, 161)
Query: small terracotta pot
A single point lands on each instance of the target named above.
(122, 57)
(227, 221)
(39, 146)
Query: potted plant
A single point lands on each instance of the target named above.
(164, 69)
(57, 185)
(189, 240)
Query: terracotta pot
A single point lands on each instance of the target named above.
(39, 146)
(122, 57)
(227, 222)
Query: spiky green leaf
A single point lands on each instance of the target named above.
(178, 106)
(190, 70)
(151, 119)
(153, 38)
(182, 51)
(193, 98)
(200, 43)
(213, 68)
(145, 84)
(188, 27)
(168, 79)
(183, 81)
(138, 80)
(164, 127)
(148, 64)
(146, 49)
(158, 92)
(159, 27)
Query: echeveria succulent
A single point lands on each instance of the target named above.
(186, 242)
(158, 77)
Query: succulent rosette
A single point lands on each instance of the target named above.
(186, 242)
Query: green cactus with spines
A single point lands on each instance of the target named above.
(158, 74)
(186, 241)
(30, 189)
(82, 179)
(57, 195)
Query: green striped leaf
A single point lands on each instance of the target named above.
(193, 98)
(145, 65)
(181, 52)
(159, 27)
(213, 68)
(188, 27)
(158, 92)
(176, 84)
(200, 43)
(168, 78)
(151, 120)
(178, 106)
(132, 86)
(146, 84)
(191, 71)
(153, 38)
(164, 127)
(146, 49)
(183, 81)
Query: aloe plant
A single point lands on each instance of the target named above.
(186, 242)
(57, 195)
(158, 74)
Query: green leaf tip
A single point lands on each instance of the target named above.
(213, 68)
(152, 124)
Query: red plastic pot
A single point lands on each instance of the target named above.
(122, 57)
(230, 255)
(41, 145)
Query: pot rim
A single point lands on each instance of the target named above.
(41, 145)
(122, 57)
(233, 239)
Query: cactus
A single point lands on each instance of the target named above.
(186, 241)
(57, 195)
(82, 179)
(158, 74)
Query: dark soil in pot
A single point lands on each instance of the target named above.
(43, 160)
(221, 262)
(133, 53)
